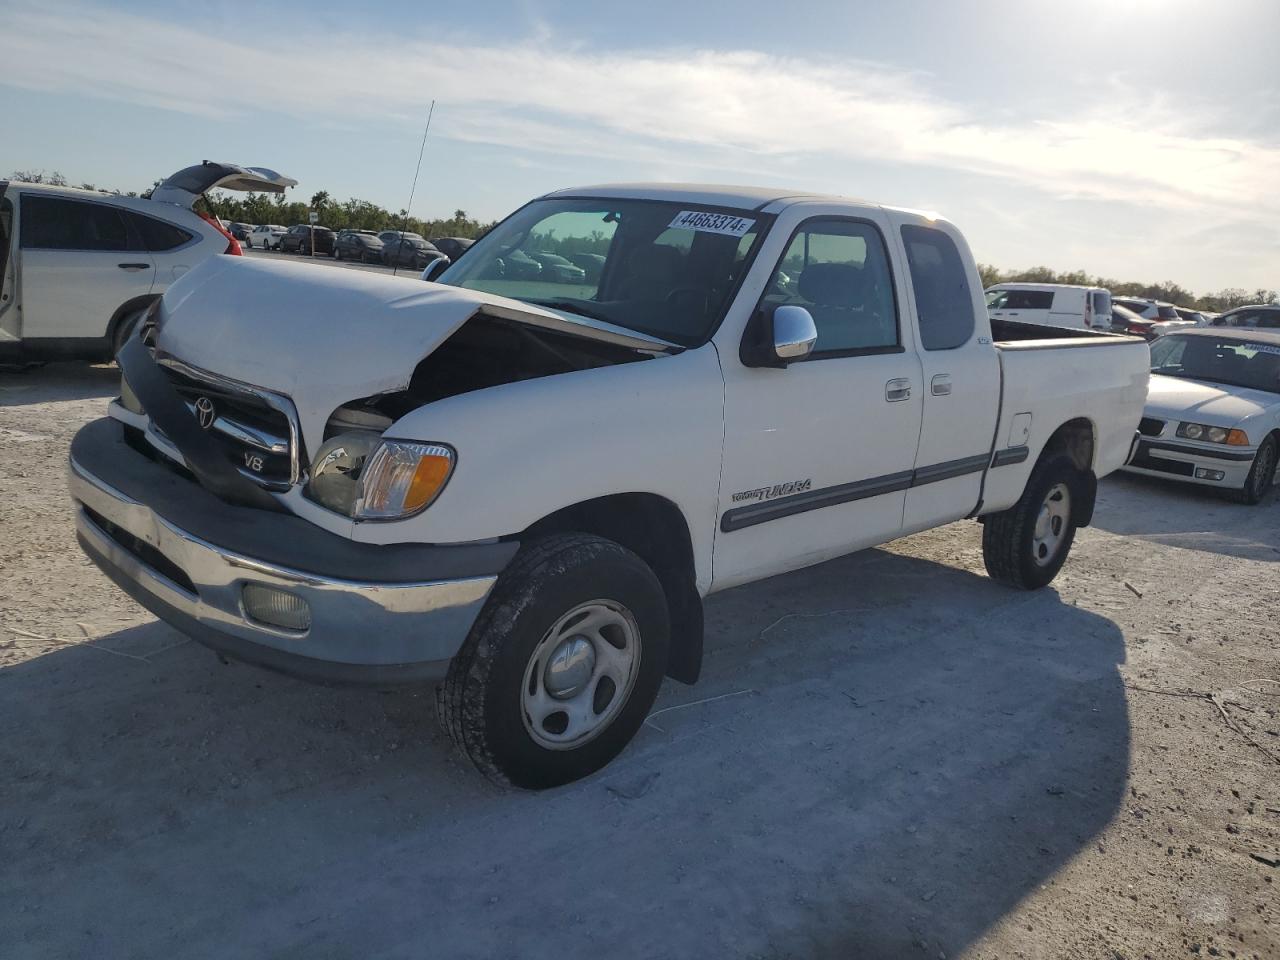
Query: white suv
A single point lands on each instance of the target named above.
(78, 267)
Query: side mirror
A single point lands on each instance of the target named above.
(779, 336)
(794, 333)
(435, 268)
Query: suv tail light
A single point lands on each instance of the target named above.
(233, 245)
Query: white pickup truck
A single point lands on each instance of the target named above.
(522, 480)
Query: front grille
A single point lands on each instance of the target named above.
(1150, 427)
(1144, 460)
(253, 427)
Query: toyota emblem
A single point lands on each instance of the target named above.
(205, 412)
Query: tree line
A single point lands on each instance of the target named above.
(354, 214)
(363, 215)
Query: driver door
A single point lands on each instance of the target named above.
(818, 455)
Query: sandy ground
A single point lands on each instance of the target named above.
(906, 760)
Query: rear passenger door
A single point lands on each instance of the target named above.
(80, 261)
(961, 371)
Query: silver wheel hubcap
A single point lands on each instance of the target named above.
(580, 675)
(1051, 524)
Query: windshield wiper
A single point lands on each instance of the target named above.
(573, 306)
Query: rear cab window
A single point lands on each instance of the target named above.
(944, 302)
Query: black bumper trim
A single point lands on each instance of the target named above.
(280, 539)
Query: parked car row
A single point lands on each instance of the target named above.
(1080, 307)
(393, 248)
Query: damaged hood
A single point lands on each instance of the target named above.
(324, 336)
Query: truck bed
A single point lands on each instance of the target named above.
(1052, 375)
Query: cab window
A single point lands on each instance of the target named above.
(838, 270)
(944, 304)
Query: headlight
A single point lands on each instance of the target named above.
(1200, 431)
(335, 472)
(367, 478)
(402, 478)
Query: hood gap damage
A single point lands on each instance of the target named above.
(486, 351)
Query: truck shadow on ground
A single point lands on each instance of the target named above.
(1213, 523)
(59, 381)
(900, 751)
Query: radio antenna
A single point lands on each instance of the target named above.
(414, 188)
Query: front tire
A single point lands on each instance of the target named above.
(1261, 475)
(1026, 545)
(562, 665)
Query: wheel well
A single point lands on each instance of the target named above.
(126, 310)
(1075, 439)
(654, 529)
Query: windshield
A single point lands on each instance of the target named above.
(664, 269)
(1237, 363)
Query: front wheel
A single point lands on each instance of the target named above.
(561, 666)
(1261, 475)
(1026, 545)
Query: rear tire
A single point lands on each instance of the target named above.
(1261, 475)
(569, 602)
(1026, 545)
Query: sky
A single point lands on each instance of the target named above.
(1136, 139)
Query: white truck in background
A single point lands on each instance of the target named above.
(523, 486)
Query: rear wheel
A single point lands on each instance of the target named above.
(561, 666)
(1026, 545)
(1262, 475)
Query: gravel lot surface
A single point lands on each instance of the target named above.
(888, 756)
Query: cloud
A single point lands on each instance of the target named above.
(736, 109)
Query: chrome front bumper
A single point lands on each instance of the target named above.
(360, 631)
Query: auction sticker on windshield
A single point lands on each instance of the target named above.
(704, 222)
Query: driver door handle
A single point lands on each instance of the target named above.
(897, 389)
(133, 266)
